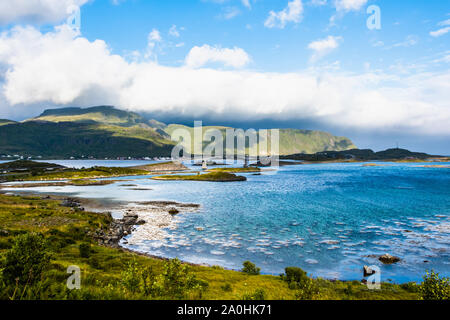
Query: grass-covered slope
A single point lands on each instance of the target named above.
(210, 177)
(110, 273)
(397, 155)
(34, 174)
(101, 114)
(5, 122)
(307, 141)
(291, 141)
(77, 139)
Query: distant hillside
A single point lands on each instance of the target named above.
(4, 122)
(72, 139)
(363, 155)
(104, 131)
(101, 114)
(291, 140)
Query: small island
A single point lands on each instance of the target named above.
(236, 170)
(169, 166)
(211, 177)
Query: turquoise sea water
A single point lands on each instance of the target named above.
(325, 218)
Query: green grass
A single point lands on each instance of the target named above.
(101, 273)
(27, 164)
(77, 174)
(212, 177)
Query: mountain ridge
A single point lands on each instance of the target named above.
(104, 131)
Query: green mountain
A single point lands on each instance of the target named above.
(104, 131)
(5, 121)
(363, 155)
(291, 141)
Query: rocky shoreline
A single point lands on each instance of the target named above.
(142, 221)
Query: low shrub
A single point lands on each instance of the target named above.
(227, 287)
(26, 260)
(434, 288)
(258, 294)
(85, 250)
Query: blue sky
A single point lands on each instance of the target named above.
(125, 28)
(311, 64)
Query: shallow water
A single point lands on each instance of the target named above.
(325, 218)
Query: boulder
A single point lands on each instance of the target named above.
(388, 259)
(368, 271)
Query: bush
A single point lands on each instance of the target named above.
(85, 250)
(131, 277)
(307, 290)
(298, 279)
(175, 282)
(295, 275)
(226, 287)
(259, 294)
(94, 262)
(434, 288)
(26, 260)
(250, 268)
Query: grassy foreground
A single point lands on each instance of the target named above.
(109, 273)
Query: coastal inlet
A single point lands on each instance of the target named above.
(329, 219)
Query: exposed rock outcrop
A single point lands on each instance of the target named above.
(388, 259)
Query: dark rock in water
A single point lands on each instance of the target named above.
(368, 271)
(388, 259)
(140, 222)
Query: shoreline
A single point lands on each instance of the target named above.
(131, 222)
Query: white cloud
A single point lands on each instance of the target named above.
(36, 11)
(246, 3)
(440, 32)
(349, 5)
(61, 68)
(174, 31)
(230, 13)
(201, 56)
(292, 13)
(65, 67)
(323, 47)
(410, 41)
(444, 23)
(318, 2)
(154, 36)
